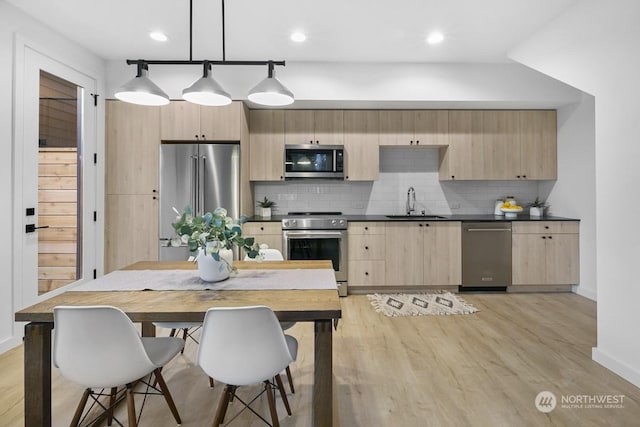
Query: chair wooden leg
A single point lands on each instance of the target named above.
(167, 395)
(290, 378)
(172, 333)
(211, 383)
(283, 393)
(131, 406)
(272, 404)
(185, 333)
(83, 401)
(112, 401)
(222, 406)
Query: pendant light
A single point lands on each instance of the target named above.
(206, 90)
(270, 91)
(141, 90)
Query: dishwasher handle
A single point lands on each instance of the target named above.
(488, 229)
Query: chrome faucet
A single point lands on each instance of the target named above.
(411, 200)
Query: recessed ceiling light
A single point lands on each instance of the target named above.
(298, 37)
(158, 36)
(435, 37)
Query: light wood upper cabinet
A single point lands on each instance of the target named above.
(500, 145)
(545, 253)
(185, 121)
(414, 128)
(266, 145)
(132, 148)
(313, 127)
(361, 136)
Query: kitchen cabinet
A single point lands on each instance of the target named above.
(264, 232)
(185, 121)
(313, 127)
(545, 253)
(132, 148)
(423, 254)
(266, 145)
(362, 153)
(500, 145)
(423, 128)
(131, 230)
(367, 253)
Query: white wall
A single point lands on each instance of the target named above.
(12, 22)
(593, 46)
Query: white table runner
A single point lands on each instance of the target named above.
(188, 280)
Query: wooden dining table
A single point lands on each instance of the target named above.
(322, 307)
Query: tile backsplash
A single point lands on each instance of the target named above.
(400, 168)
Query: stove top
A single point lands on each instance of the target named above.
(315, 213)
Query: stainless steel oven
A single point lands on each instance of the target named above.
(317, 237)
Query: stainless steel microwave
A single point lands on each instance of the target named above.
(314, 161)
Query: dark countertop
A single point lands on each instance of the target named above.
(463, 218)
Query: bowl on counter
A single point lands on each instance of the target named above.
(511, 213)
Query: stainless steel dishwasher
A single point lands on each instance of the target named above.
(486, 255)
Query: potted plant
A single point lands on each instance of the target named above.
(213, 235)
(536, 208)
(265, 207)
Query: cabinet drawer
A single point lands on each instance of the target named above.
(543, 227)
(366, 228)
(256, 228)
(366, 273)
(366, 247)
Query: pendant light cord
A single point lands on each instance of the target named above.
(224, 56)
(190, 30)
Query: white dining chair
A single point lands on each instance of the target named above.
(98, 347)
(241, 346)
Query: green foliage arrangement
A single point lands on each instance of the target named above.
(266, 203)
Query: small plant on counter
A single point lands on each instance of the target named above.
(538, 204)
(266, 203)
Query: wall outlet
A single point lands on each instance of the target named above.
(454, 205)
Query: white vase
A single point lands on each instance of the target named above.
(265, 212)
(211, 270)
(535, 211)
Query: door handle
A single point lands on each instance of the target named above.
(30, 228)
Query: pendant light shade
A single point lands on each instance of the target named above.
(206, 90)
(270, 91)
(141, 90)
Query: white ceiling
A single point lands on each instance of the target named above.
(337, 30)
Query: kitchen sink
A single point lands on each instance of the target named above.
(416, 217)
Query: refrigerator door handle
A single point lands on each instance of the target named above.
(203, 183)
(194, 185)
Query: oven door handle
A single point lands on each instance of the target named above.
(314, 234)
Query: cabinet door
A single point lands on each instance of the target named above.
(538, 156)
(464, 158)
(221, 123)
(431, 127)
(266, 145)
(131, 231)
(442, 250)
(180, 121)
(404, 260)
(529, 259)
(501, 145)
(132, 148)
(396, 127)
(366, 247)
(366, 273)
(562, 259)
(328, 125)
(362, 153)
(298, 127)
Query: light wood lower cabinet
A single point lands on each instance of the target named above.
(264, 232)
(424, 254)
(367, 253)
(545, 253)
(131, 232)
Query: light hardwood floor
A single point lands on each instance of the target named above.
(483, 369)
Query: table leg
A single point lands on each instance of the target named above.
(148, 329)
(37, 374)
(322, 410)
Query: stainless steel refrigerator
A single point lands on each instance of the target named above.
(203, 176)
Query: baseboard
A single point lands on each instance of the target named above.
(9, 343)
(625, 371)
(587, 293)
